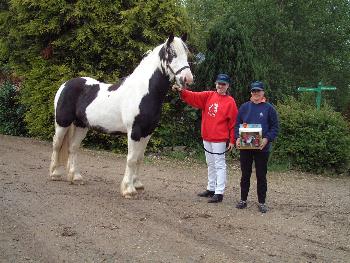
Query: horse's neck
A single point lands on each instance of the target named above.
(150, 71)
(149, 64)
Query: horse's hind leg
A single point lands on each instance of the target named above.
(76, 136)
(59, 145)
(130, 181)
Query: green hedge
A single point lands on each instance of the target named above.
(177, 127)
(312, 140)
(11, 111)
(38, 93)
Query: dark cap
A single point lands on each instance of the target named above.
(223, 78)
(256, 85)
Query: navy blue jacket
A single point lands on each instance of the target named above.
(263, 113)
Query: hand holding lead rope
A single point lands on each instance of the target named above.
(176, 88)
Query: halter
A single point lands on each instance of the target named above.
(221, 152)
(177, 72)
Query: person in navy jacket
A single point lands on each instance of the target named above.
(256, 111)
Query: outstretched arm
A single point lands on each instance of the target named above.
(195, 99)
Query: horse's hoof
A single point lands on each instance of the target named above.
(54, 177)
(139, 186)
(77, 182)
(57, 174)
(77, 179)
(130, 194)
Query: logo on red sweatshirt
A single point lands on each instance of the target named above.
(213, 109)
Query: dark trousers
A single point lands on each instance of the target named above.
(260, 159)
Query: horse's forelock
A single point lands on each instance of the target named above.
(180, 46)
(170, 50)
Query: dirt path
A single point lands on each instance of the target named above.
(47, 221)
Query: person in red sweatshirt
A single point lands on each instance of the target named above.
(219, 113)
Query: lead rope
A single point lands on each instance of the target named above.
(221, 152)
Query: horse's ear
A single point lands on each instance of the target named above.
(170, 39)
(184, 37)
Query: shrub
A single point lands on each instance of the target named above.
(38, 93)
(11, 111)
(102, 141)
(177, 126)
(312, 140)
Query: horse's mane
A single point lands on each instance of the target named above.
(152, 56)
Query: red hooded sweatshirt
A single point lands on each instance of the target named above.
(219, 113)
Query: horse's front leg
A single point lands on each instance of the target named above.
(130, 181)
(137, 183)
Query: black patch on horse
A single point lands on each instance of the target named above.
(88, 94)
(72, 103)
(162, 53)
(167, 54)
(151, 106)
(117, 85)
(103, 130)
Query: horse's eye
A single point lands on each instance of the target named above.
(172, 53)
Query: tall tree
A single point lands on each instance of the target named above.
(297, 42)
(203, 15)
(230, 51)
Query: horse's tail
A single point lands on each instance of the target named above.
(63, 153)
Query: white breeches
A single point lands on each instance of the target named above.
(216, 166)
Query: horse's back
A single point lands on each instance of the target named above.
(72, 99)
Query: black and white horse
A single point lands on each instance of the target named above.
(132, 106)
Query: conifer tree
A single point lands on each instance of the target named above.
(96, 37)
(229, 51)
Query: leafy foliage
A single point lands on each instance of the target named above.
(178, 126)
(11, 111)
(38, 93)
(204, 15)
(297, 43)
(101, 141)
(312, 140)
(228, 51)
(105, 39)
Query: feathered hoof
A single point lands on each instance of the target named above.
(78, 182)
(76, 179)
(129, 195)
(140, 189)
(129, 192)
(139, 186)
(54, 177)
(57, 174)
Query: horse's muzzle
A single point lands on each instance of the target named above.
(186, 78)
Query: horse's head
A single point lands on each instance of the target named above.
(174, 59)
